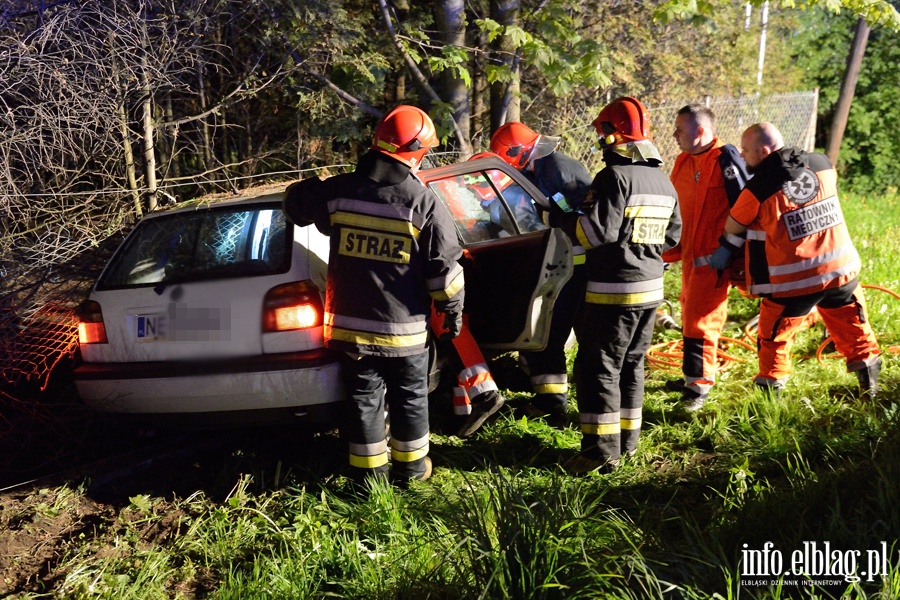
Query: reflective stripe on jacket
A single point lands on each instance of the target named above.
(798, 242)
(631, 215)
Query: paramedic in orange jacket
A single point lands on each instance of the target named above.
(799, 256)
(708, 175)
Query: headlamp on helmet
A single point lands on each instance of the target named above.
(621, 121)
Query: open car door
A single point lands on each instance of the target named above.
(515, 265)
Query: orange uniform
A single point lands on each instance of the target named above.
(800, 256)
(708, 184)
(475, 377)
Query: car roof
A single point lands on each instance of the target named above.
(275, 193)
(260, 197)
(466, 166)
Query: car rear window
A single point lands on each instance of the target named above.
(213, 243)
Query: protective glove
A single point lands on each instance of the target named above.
(453, 322)
(720, 258)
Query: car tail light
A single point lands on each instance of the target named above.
(91, 329)
(292, 306)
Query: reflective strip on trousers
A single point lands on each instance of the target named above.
(701, 385)
(631, 418)
(369, 456)
(461, 403)
(477, 379)
(601, 424)
(554, 383)
(409, 451)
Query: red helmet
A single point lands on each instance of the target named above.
(514, 143)
(406, 133)
(623, 120)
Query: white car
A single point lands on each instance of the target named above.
(215, 310)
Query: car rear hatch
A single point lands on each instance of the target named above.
(191, 285)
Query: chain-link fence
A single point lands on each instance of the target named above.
(793, 113)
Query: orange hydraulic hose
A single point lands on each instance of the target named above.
(667, 356)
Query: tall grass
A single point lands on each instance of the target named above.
(500, 519)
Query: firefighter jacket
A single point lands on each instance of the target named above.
(708, 185)
(392, 251)
(630, 216)
(564, 181)
(798, 242)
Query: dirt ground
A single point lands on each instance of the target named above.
(67, 477)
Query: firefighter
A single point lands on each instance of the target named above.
(393, 253)
(564, 182)
(630, 217)
(708, 176)
(799, 256)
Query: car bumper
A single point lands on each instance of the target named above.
(290, 380)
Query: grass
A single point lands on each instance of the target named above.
(500, 519)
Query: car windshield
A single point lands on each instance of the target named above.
(474, 202)
(215, 243)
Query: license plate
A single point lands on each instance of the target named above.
(150, 327)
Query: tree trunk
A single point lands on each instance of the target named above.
(174, 163)
(505, 95)
(451, 17)
(479, 121)
(128, 151)
(462, 136)
(848, 88)
(149, 144)
(204, 127)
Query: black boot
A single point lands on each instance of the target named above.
(483, 406)
(868, 380)
(772, 391)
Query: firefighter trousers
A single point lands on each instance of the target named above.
(609, 375)
(401, 383)
(704, 309)
(842, 309)
(547, 369)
